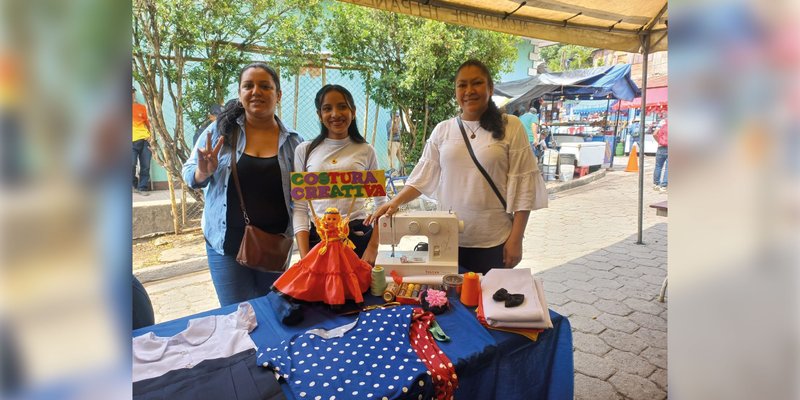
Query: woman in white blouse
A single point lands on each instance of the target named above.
(492, 236)
(338, 147)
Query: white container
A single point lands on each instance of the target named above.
(567, 171)
(550, 157)
(586, 154)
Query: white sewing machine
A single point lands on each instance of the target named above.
(441, 229)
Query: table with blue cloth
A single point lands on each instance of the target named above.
(490, 364)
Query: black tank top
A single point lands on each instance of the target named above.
(262, 188)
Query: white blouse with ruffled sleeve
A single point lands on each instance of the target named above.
(447, 173)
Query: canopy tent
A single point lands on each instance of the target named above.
(586, 84)
(656, 100)
(636, 26)
(606, 24)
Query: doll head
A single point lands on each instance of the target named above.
(331, 217)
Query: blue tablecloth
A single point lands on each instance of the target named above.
(490, 364)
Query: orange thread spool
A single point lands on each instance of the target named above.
(469, 290)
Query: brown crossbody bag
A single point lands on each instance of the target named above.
(260, 250)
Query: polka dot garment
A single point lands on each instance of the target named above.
(445, 380)
(371, 360)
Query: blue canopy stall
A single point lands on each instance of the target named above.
(584, 84)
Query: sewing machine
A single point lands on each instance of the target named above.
(440, 227)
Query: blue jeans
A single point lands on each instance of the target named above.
(234, 282)
(661, 164)
(141, 153)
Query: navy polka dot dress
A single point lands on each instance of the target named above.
(369, 359)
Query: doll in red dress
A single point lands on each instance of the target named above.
(331, 272)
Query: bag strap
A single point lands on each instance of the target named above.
(477, 164)
(234, 137)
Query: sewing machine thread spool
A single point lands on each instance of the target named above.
(391, 292)
(378, 284)
(469, 292)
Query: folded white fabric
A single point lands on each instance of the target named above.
(514, 281)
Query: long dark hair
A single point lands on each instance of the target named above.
(352, 130)
(492, 119)
(226, 120)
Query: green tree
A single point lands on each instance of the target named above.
(564, 57)
(409, 63)
(191, 52)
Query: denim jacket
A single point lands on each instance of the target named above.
(215, 187)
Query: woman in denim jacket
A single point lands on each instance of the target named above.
(264, 160)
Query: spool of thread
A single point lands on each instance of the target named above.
(469, 290)
(378, 284)
(391, 292)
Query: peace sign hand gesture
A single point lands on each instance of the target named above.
(207, 159)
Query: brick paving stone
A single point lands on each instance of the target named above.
(630, 363)
(652, 270)
(629, 272)
(593, 366)
(554, 287)
(632, 283)
(635, 387)
(612, 307)
(599, 273)
(575, 308)
(608, 283)
(653, 280)
(617, 323)
(589, 344)
(659, 377)
(652, 337)
(598, 257)
(588, 388)
(649, 307)
(556, 299)
(657, 357)
(648, 294)
(605, 266)
(623, 341)
(581, 296)
(648, 261)
(609, 294)
(586, 325)
(572, 283)
(649, 321)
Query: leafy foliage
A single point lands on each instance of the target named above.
(563, 57)
(410, 63)
(192, 51)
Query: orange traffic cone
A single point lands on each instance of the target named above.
(633, 160)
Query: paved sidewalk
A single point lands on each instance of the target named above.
(583, 247)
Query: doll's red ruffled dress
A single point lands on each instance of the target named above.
(331, 272)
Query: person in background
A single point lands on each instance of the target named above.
(393, 129)
(213, 111)
(264, 156)
(492, 234)
(338, 147)
(141, 147)
(530, 121)
(662, 153)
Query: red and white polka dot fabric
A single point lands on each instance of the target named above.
(442, 372)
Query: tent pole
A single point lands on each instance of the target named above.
(645, 54)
